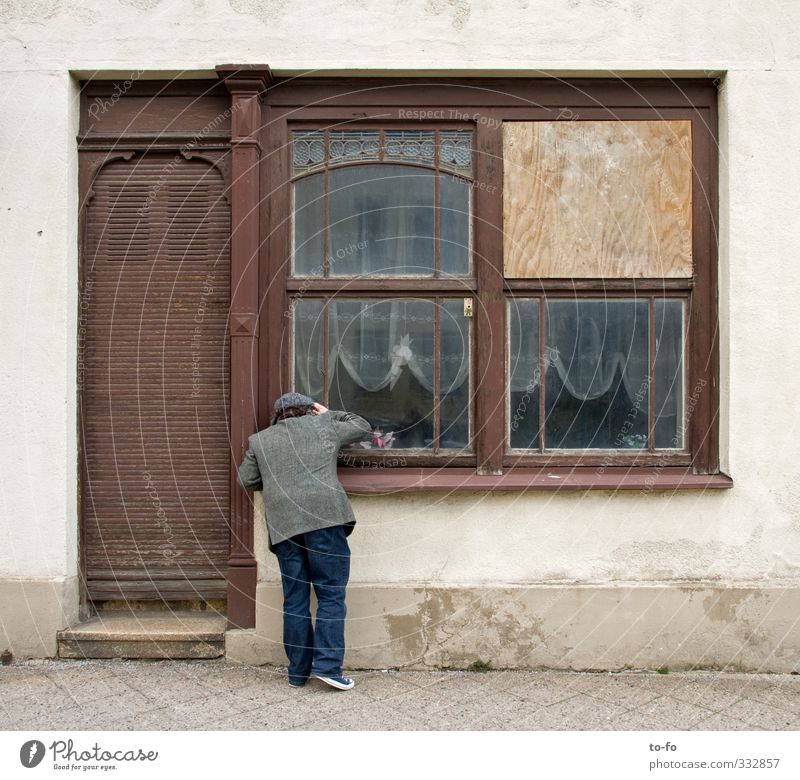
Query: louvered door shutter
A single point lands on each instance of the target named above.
(154, 371)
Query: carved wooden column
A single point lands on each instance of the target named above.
(246, 85)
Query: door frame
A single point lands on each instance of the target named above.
(196, 140)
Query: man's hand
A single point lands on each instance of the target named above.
(319, 409)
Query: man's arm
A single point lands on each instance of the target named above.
(249, 476)
(348, 426)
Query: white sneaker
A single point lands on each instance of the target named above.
(342, 683)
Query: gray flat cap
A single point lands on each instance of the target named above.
(288, 400)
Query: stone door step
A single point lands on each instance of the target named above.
(150, 634)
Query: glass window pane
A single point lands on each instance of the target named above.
(308, 358)
(523, 370)
(381, 364)
(455, 151)
(381, 220)
(454, 385)
(596, 388)
(382, 368)
(409, 146)
(454, 224)
(353, 145)
(308, 233)
(308, 150)
(669, 382)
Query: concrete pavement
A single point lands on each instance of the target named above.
(215, 694)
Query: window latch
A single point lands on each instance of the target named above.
(467, 307)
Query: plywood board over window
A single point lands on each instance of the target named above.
(599, 199)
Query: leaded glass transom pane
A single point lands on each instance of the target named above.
(314, 149)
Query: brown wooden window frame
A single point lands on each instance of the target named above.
(483, 105)
(434, 288)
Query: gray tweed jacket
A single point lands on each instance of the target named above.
(294, 463)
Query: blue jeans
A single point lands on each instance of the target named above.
(320, 558)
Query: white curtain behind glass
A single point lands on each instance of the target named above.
(587, 343)
(375, 341)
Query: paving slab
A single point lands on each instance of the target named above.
(620, 693)
(756, 713)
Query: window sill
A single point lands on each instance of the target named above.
(395, 480)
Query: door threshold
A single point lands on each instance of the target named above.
(151, 633)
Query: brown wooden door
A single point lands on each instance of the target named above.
(153, 370)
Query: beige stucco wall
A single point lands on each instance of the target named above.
(750, 534)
